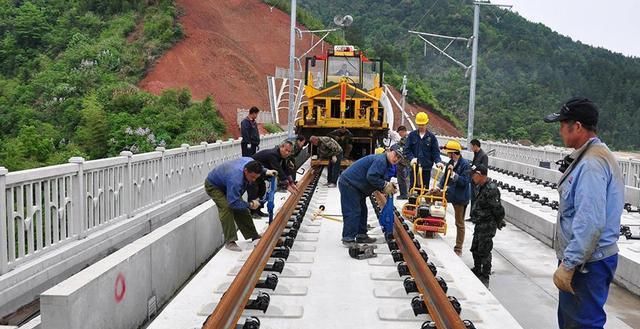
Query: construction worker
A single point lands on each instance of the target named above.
(458, 189)
(344, 137)
(274, 159)
(298, 145)
(403, 166)
(226, 184)
(591, 193)
(361, 179)
(422, 148)
(250, 134)
(487, 214)
(329, 149)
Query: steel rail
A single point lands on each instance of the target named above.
(438, 305)
(229, 310)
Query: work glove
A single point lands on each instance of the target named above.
(562, 278)
(271, 173)
(502, 224)
(254, 204)
(292, 188)
(414, 161)
(390, 188)
(314, 157)
(248, 145)
(334, 159)
(440, 165)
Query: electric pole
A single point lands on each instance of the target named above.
(292, 61)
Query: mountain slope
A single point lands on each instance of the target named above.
(524, 70)
(229, 49)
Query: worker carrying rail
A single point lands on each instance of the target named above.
(422, 148)
(226, 184)
(356, 183)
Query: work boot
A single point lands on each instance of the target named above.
(259, 212)
(233, 246)
(484, 279)
(476, 271)
(348, 243)
(363, 238)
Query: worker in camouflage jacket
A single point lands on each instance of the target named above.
(329, 149)
(487, 214)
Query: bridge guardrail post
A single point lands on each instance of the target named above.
(4, 257)
(162, 179)
(127, 202)
(186, 169)
(78, 200)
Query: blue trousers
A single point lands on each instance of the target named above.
(354, 211)
(585, 309)
(333, 170)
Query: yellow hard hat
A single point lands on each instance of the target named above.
(452, 146)
(379, 150)
(422, 118)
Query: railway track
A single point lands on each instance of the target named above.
(276, 242)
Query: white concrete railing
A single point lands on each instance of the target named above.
(42, 209)
(533, 155)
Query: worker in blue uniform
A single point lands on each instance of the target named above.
(587, 229)
(226, 184)
(458, 189)
(422, 148)
(356, 183)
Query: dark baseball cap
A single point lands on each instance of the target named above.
(576, 109)
(399, 150)
(479, 169)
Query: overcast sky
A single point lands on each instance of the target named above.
(613, 24)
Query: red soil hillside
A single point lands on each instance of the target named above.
(229, 49)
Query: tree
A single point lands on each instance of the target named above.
(93, 132)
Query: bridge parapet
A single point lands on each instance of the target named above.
(43, 209)
(534, 155)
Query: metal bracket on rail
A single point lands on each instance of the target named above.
(410, 285)
(281, 252)
(629, 208)
(251, 322)
(418, 306)
(277, 266)
(260, 303)
(432, 325)
(270, 282)
(403, 268)
(626, 231)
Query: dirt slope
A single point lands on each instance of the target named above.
(229, 49)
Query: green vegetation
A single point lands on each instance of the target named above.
(525, 70)
(68, 75)
(272, 128)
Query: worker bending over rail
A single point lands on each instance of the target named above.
(356, 183)
(226, 184)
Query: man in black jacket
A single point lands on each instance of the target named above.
(250, 134)
(274, 159)
(479, 158)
